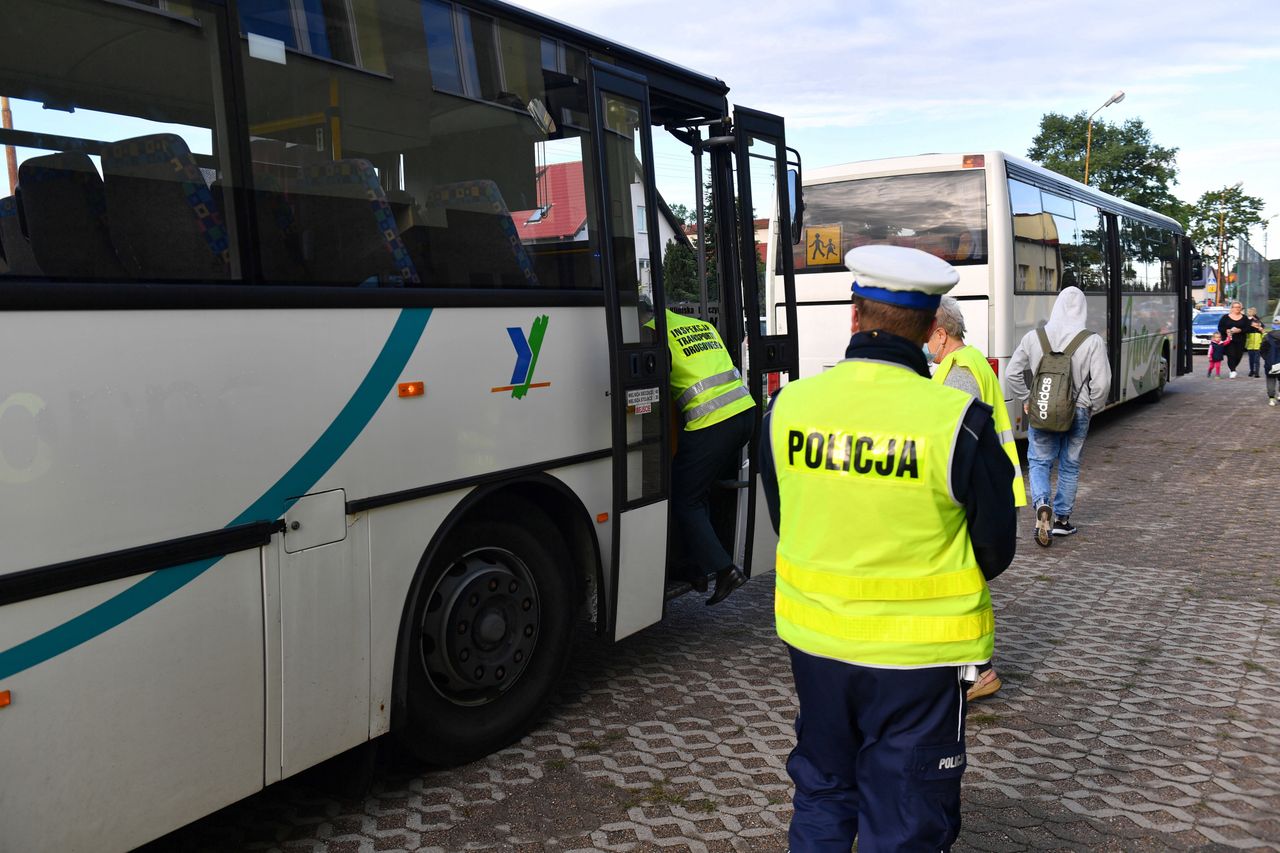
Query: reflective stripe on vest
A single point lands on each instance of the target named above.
(707, 387)
(874, 562)
(989, 390)
(706, 384)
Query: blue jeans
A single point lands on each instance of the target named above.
(1043, 449)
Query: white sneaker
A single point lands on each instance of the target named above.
(1271, 402)
(1231, 375)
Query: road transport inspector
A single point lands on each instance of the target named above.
(891, 497)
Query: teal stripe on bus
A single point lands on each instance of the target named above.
(298, 480)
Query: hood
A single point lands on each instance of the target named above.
(1070, 314)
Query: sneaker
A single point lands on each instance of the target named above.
(1231, 375)
(1044, 525)
(1271, 402)
(1062, 527)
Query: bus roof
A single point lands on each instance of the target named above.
(1016, 167)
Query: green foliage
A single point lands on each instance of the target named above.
(1220, 218)
(682, 213)
(680, 272)
(1123, 160)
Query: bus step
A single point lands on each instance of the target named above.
(731, 485)
(675, 589)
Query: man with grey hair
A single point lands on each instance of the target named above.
(963, 367)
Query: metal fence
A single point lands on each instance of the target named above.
(1252, 279)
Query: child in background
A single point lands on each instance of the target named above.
(1253, 340)
(1271, 360)
(1217, 352)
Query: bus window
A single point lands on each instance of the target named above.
(943, 213)
(466, 170)
(122, 165)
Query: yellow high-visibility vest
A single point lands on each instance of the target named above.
(874, 563)
(989, 388)
(705, 385)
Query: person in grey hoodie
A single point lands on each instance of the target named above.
(1091, 375)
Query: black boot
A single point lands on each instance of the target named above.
(727, 580)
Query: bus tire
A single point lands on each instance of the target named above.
(489, 638)
(1156, 394)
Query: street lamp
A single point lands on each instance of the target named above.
(1088, 140)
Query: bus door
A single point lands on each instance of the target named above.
(1115, 305)
(764, 196)
(1189, 268)
(627, 239)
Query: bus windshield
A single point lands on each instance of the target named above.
(943, 213)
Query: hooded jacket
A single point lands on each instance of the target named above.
(1090, 367)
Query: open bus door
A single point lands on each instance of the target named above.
(1190, 268)
(765, 191)
(637, 350)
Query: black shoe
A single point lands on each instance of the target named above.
(727, 580)
(1062, 527)
(1044, 525)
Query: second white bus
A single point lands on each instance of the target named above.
(1017, 233)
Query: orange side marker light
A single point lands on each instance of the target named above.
(5, 698)
(602, 518)
(411, 389)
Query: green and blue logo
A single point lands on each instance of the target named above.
(527, 349)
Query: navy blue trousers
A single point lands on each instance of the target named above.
(704, 456)
(879, 756)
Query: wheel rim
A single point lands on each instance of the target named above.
(480, 626)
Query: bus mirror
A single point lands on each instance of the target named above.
(795, 203)
(1197, 267)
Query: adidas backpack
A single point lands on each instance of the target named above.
(1052, 407)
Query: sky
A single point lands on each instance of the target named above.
(863, 79)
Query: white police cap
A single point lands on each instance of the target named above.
(900, 276)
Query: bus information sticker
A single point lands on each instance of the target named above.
(640, 400)
(822, 245)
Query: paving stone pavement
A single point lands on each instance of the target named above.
(1140, 658)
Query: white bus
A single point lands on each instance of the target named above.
(1017, 233)
(325, 406)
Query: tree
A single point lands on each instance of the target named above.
(682, 213)
(1219, 219)
(1123, 161)
(680, 272)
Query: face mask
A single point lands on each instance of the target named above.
(928, 353)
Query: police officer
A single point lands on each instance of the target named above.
(892, 501)
(715, 408)
(963, 366)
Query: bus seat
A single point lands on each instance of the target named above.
(479, 222)
(162, 215)
(66, 210)
(17, 248)
(347, 228)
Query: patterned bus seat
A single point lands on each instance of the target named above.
(163, 218)
(17, 248)
(66, 209)
(349, 234)
(485, 220)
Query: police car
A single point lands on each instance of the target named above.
(1203, 325)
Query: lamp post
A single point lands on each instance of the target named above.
(1088, 139)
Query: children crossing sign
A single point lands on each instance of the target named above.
(822, 245)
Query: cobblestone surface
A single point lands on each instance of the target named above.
(1141, 663)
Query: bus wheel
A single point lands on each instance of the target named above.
(1157, 393)
(489, 639)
